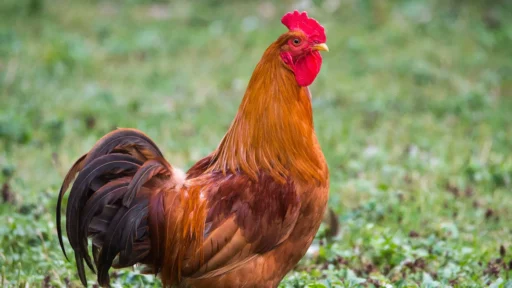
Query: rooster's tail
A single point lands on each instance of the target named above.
(115, 200)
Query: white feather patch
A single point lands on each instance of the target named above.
(178, 176)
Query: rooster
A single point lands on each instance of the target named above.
(241, 217)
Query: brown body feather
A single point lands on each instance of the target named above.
(243, 217)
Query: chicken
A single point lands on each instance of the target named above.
(242, 216)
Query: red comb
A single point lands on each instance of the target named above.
(300, 21)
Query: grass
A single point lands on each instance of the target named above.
(412, 109)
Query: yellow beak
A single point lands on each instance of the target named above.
(321, 47)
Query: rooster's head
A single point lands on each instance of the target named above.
(300, 46)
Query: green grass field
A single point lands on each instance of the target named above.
(413, 109)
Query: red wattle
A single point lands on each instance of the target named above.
(306, 68)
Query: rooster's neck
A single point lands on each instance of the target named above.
(273, 130)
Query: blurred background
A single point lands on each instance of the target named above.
(413, 109)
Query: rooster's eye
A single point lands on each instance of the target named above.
(296, 41)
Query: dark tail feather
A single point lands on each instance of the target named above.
(104, 196)
(146, 172)
(125, 139)
(156, 214)
(110, 202)
(128, 139)
(121, 232)
(104, 166)
(65, 184)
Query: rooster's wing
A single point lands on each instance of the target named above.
(246, 218)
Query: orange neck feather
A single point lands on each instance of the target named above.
(273, 130)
